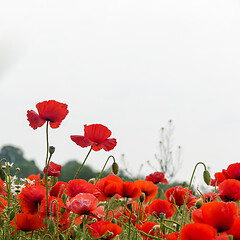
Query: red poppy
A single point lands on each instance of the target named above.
(31, 197)
(148, 228)
(54, 209)
(173, 236)
(27, 222)
(197, 231)
(219, 215)
(233, 171)
(104, 229)
(58, 189)
(97, 136)
(53, 169)
(51, 111)
(159, 206)
(219, 177)
(148, 188)
(229, 190)
(209, 196)
(81, 186)
(178, 194)
(234, 230)
(130, 190)
(156, 177)
(109, 187)
(224, 236)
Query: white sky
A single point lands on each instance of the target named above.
(130, 65)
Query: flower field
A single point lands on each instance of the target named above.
(41, 207)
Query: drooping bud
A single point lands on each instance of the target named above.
(207, 177)
(115, 168)
(199, 203)
(92, 180)
(64, 197)
(51, 150)
(2, 174)
(156, 227)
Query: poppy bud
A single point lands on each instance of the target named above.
(62, 210)
(53, 181)
(130, 206)
(156, 227)
(206, 177)
(114, 220)
(2, 174)
(162, 216)
(51, 227)
(45, 220)
(115, 168)
(41, 176)
(64, 197)
(230, 237)
(92, 180)
(199, 203)
(51, 150)
(61, 237)
(142, 197)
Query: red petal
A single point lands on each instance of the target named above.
(97, 132)
(81, 141)
(109, 144)
(34, 119)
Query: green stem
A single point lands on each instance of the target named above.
(82, 164)
(111, 156)
(185, 200)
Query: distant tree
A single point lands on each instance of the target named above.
(16, 156)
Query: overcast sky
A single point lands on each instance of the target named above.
(129, 65)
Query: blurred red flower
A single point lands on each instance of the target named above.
(104, 229)
(77, 186)
(148, 228)
(131, 190)
(31, 197)
(148, 188)
(234, 230)
(219, 215)
(229, 190)
(156, 177)
(219, 177)
(58, 189)
(209, 196)
(178, 195)
(97, 136)
(197, 231)
(27, 222)
(161, 206)
(173, 236)
(53, 169)
(109, 187)
(233, 171)
(52, 111)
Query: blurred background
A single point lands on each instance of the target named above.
(131, 66)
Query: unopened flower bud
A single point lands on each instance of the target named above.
(115, 168)
(92, 180)
(62, 210)
(2, 174)
(18, 169)
(130, 206)
(41, 176)
(64, 197)
(52, 227)
(162, 216)
(53, 181)
(230, 237)
(156, 227)
(142, 197)
(51, 150)
(45, 220)
(114, 220)
(206, 177)
(199, 203)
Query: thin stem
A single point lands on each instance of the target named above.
(111, 156)
(47, 143)
(185, 200)
(82, 164)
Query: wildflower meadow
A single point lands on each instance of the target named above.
(41, 207)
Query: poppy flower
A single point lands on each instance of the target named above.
(233, 171)
(209, 196)
(52, 111)
(53, 169)
(229, 190)
(27, 222)
(173, 236)
(219, 215)
(234, 230)
(223, 236)
(178, 194)
(148, 188)
(197, 231)
(148, 228)
(77, 186)
(219, 177)
(31, 197)
(97, 136)
(131, 190)
(159, 206)
(58, 189)
(54, 209)
(104, 229)
(109, 187)
(156, 177)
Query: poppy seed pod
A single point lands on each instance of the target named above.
(207, 177)
(199, 203)
(115, 168)
(51, 150)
